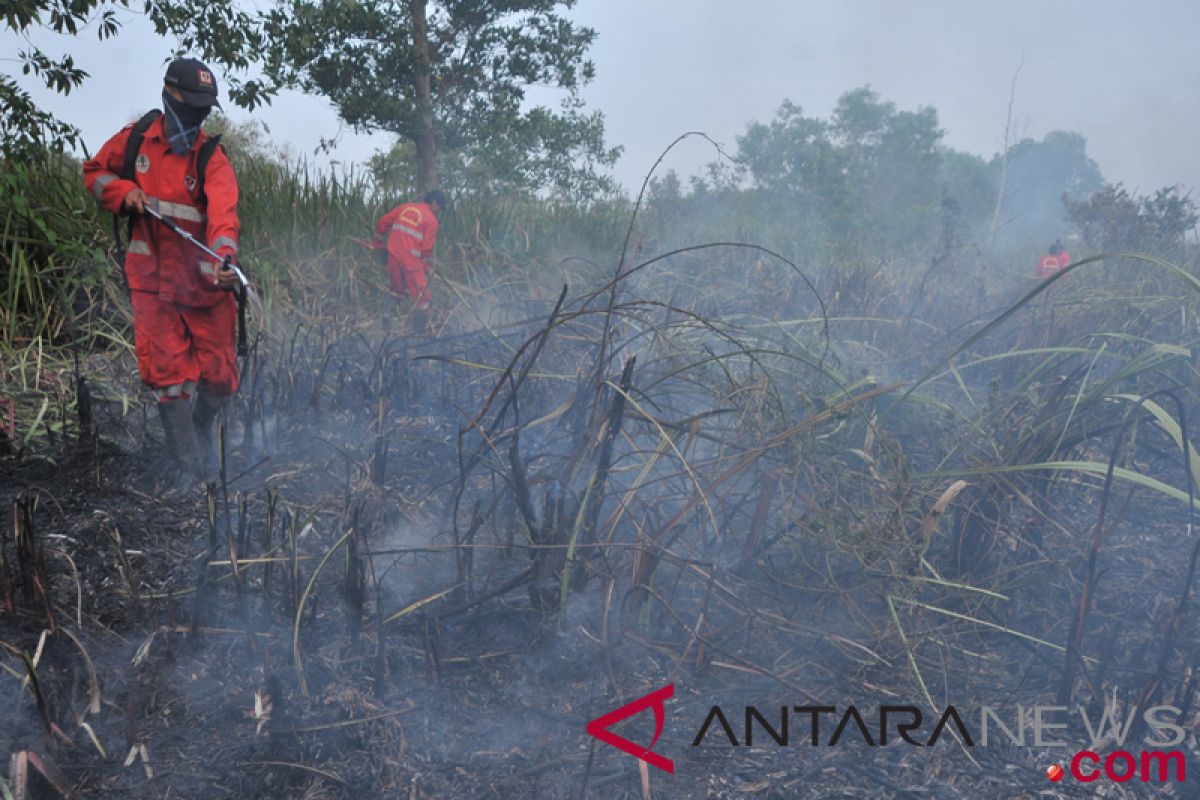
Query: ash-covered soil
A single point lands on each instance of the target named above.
(389, 629)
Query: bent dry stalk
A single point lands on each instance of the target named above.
(745, 489)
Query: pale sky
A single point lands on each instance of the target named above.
(1124, 74)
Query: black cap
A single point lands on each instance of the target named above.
(195, 82)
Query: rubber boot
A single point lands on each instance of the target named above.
(419, 321)
(205, 409)
(181, 441)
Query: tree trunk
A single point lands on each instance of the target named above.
(423, 138)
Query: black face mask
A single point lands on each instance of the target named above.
(182, 123)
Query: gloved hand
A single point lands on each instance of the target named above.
(382, 254)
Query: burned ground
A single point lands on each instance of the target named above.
(431, 560)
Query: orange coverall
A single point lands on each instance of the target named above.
(409, 232)
(184, 325)
(1052, 263)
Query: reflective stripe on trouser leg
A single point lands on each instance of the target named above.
(180, 391)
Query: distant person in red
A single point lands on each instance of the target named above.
(184, 314)
(405, 237)
(1053, 261)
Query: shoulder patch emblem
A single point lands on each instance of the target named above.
(143, 163)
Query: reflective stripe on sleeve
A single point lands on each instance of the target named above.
(415, 252)
(224, 241)
(416, 234)
(101, 182)
(138, 247)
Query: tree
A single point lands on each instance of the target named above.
(1112, 219)
(792, 154)
(869, 174)
(1038, 174)
(891, 161)
(450, 78)
(222, 32)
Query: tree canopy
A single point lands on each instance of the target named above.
(869, 173)
(451, 78)
(225, 33)
(1039, 174)
(448, 78)
(1112, 219)
(871, 182)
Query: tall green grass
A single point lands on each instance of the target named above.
(62, 291)
(52, 260)
(302, 228)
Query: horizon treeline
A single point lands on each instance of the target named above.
(874, 182)
(870, 199)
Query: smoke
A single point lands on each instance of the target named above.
(702, 475)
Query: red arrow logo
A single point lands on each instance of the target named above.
(599, 727)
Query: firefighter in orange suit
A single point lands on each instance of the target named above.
(184, 313)
(1053, 261)
(405, 237)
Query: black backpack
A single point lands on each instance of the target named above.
(133, 146)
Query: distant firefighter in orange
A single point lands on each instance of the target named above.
(1053, 261)
(404, 238)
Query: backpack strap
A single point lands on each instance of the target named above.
(202, 158)
(133, 146)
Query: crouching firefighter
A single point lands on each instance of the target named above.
(1054, 260)
(405, 238)
(172, 179)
